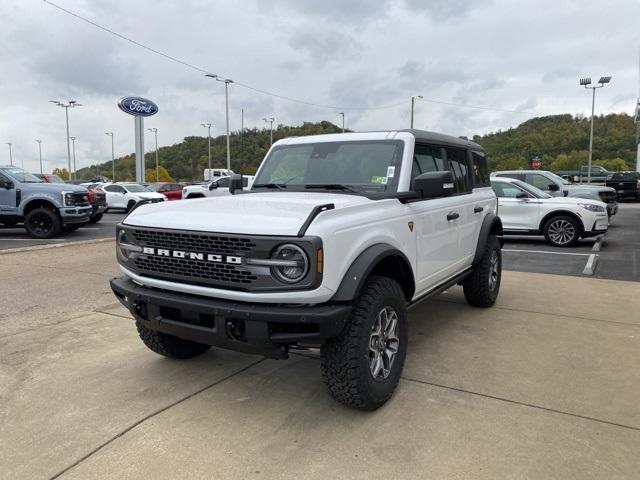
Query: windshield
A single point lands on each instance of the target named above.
(21, 176)
(535, 191)
(55, 179)
(558, 178)
(356, 166)
(135, 188)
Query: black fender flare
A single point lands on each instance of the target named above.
(490, 225)
(357, 274)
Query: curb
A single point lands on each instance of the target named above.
(591, 265)
(599, 242)
(55, 245)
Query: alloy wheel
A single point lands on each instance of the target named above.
(383, 343)
(561, 232)
(40, 223)
(493, 270)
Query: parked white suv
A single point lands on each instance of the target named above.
(527, 210)
(338, 235)
(125, 195)
(216, 188)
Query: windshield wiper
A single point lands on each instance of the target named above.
(332, 186)
(280, 186)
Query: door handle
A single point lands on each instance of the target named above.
(477, 209)
(452, 216)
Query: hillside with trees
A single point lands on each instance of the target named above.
(560, 141)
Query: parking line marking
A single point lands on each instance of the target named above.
(598, 245)
(2, 239)
(544, 251)
(591, 264)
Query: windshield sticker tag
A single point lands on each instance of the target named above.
(391, 171)
(379, 180)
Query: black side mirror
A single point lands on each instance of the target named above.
(235, 183)
(213, 186)
(553, 187)
(521, 195)
(433, 184)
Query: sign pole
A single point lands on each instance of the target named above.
(139, 133)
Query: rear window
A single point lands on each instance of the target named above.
(480, 170)
(626, 176)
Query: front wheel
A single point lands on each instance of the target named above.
(42, 223)
(482, 286)
(130, 205)
(562, 231)
(362, 366)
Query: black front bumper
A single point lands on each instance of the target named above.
(264, 329)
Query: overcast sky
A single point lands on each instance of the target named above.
(525, 56)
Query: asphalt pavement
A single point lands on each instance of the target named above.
(17, 237)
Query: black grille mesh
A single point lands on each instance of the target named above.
(197, 272)
(193, 242)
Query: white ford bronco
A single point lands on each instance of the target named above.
(338, 235)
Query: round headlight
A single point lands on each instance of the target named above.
(292, 263)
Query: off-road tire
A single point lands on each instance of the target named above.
(35, 227)
(482, 286)
(96, 218)
(345, 360)
(562, 219)
(130, 205)
(169, 345)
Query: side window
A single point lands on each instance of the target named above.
(427, 158)
(112, 188)
(537, 180)
(480, 170)
(223, 182)
(506, 190)
(457, 158)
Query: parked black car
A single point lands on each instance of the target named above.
(626, 184)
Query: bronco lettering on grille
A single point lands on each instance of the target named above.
(209, 257)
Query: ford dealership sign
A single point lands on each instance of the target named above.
(138, 106)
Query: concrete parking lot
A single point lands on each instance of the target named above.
(544, 385)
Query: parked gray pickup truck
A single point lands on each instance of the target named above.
(45, 208)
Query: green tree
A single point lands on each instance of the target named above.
(63, 173)
(150, 175)
(614, 165)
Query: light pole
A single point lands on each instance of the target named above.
(73, 142)
(586, 82)
(270, 121)
(10, 154)
(40, 152)
(113, 158)
(342, 114)
(226, 81)
(69, 104)
(155, 131)
(413, 101)
(208, 127)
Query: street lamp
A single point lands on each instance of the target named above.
(586, 82)
(342, 113)
(208, 126)
(10, 154)
(69, 104)
(155, 131)
(73, 142)
(413, 101)
(40, 152)
(113, 158)
(226, 81)
(270, 121)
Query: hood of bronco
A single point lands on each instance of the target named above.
(264, 213)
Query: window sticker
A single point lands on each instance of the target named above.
(391, 171)
(379, 180)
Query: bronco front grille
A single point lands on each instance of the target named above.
(197, 242)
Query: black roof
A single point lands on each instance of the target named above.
(442, 139)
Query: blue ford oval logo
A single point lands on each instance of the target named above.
(138, 106)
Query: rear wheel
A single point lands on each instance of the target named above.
(481, 288)
(130, 205)
(562, 231)
(362, 366)
(168, 345)
(42, 223)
